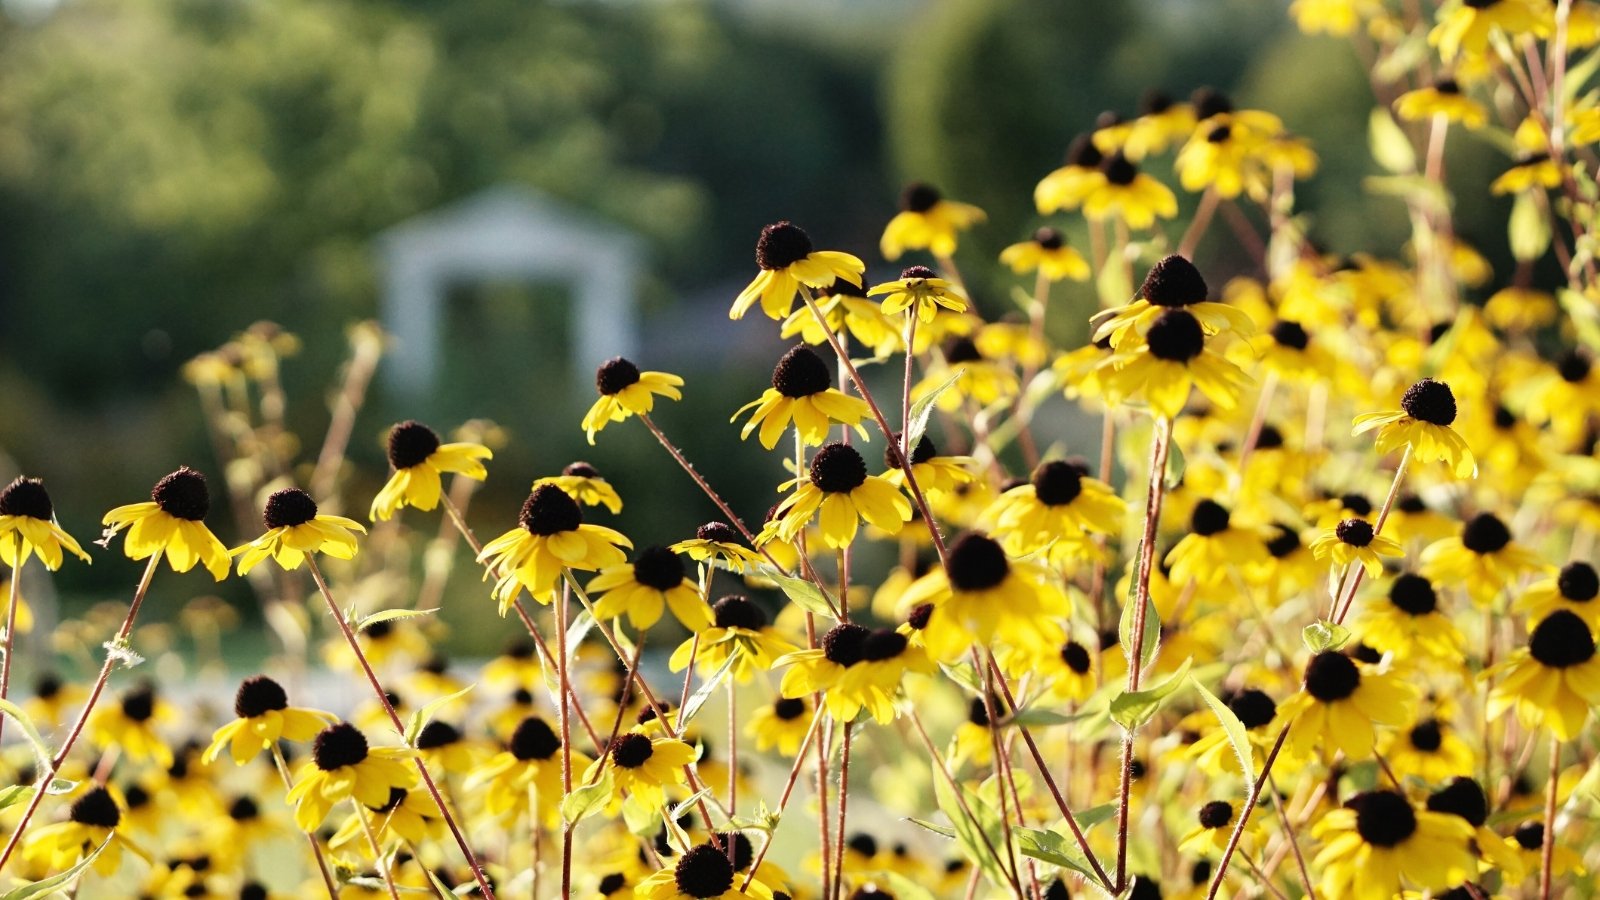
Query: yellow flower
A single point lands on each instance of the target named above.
(1574, 590)
(1466, 25)
(1067, 187)
(643, 767)
(418, 459)
(1410, 624)
(1214, 830)
(410, 816)
(845, 307)
(1442, 98)
(1214, 547)
(1377, 842)
(92, 822)
(1049, 253)
(1130, 195)
(1464, 799)
(926, 221)
(1161, 123)
(525, 778)
(1338, 704)
(264, 718)
(921, 290)
(1430, 750)
(1335, 17)
(654, 579)
(702, 873)
(294, 529)
(1172, 283)
(1059, 500)
(738, 629)
(626, 391)
(1533, 170)
(1553, 681)
(1173, 360)
(551, 536)
(1484, 558)
(935, 474)
(1288, 351)
(173, 522)
(1223, 158)
(802, 390)
(1258, 713)
(344, 767)
(781, 725)
(1353, 540)
(718, 541)
(130, 725)
(839, 492)
(787, 262)
(856, 668)
(977, 595)
(1422, 423)
(28, 526)
(584, 484)
(51, 699)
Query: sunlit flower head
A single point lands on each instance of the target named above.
(787, 262)
(704, 872)
(1422, 423)
(418, 459)
(625, 391)
(1058, 500)
(1128, 194)
(94, 819)
(1483, 557)
(525, 777)
(1068, 186)
(739, 630)
(643, 767)
(1575, 589)
(586, 485)
(550, 537)
(1442, 98)
(1048, 253)
(927, 221)
(343, 767)
(719, 542)
(976, 595)
(1554, 681)
(1174, 283)
(1173, 360)
(1354, 540)
(1464, 26)
(1378, 843)
(802, 392)
(1339, 703)
(656, 579)
(172, 522)
(264, 717)
(839, 492)
(28, 526)
(920, 290)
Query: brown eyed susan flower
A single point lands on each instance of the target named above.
(1483, 558)
(130, 725)
(264, 718)
(1214, 824)
(1225, 158)
(525, 778)
(1378, 843)
(738, 629)
(1058, 500)
(926, 221)
(1442, 98)
(409, 816)
(1464, 26)
(344, 767)
(585, 484)
(1422, 423)
(976, 595)
(788, 262)
(1173, 359)
(1128, 194)
(1338, 704)
(1574, 589)
(625, 391)
(1354, 540)
(1554, 681)
(94, 820)
(1334, 17)
(1048, 253)
(1213, 548)
(816, 671)
(418, 459)
(294, 529)
(1410, 623)
(655, 579)
(1528, 843)
(1172, 283)
(28, 526)
(643, 767)
(1066, 187)
(871, 684)
(920, 290)
(839, 493)
(1258, 713)
(1463, 798)
(802, 392)
(935, 474)
(702, 873)
(978, 378)
(172, 522)
(1431, 750)
(845, 307)
(719, 542)
(551, 536)
(780, 725)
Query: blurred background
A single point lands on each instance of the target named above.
(511, 183)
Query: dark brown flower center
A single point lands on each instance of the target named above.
(1176, 337)
(183, 495)
(1578, 582)
(781, 245)
(734, 611)
(1561, 640)
(97, 809)
(1355, 532)
(703, 872)
(801, 373)
(1461, 797)
(843, 644)
(1209, 518)
(1485, 534)
(1430, 401)
(26, 497)
(1331, 676)
(288, 508)
(257, 696)
(658, 568)
(631, 750)
(1216, 814)
(1076, 657)
(339, 745)
(1413, 594)
(534, 739)
(1058, 482)
(1173, 282)
(1383, 818)
(919, 197)
(838, 469)
(614, 375)
(976, 562)
(550, 510)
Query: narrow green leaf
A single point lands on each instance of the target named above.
(1238, 738)
(579, 629)
(1152, 630)
(941, 830)
(1176, 466)
(1055, 849)
(391, 615)
(1131, 709)
(903, 888)
(1527, 229)
(14, 794)
(1389, 144)
(964, 675)
(805, 594)
(41, 750)
(420, 718)
(58, 881)
(1324, 635)
(589, 799)
(703, 693)
(923, 408)
(686, 804)
(1036, 717)
(968, 834)
(642, 820)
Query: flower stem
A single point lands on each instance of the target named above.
(1244, 816)
(377, 851)
(282, 766)
(15, 596)
(1547, 853)
(788, 789)
(399, 726)
(844, 799)
(1377, 529)
(88, 706)
(559, 614)
(1199, 224)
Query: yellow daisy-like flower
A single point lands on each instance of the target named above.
(1464, 798)
(802, 391)
(1224, 158)
(1338, 704)
(643, 767)
(1430, 750)
(1289, 352)
(1422, 423)
(1520, 309)
(585, 485)
(1442, 98)
(1573, 590)
(1353, 540)
(1528, 843)
(702, 873)
(719, 542)
(1258, 713)
(28, 526)
(978, 594)
(738, 629)
(1465, 26)
(1214, 830)
(625, 391)
(1214, 547)
(1554, 681)
(1378, 843)
(264, 718)
(344, 767)
(1172, 283)
(780, 725)
(551, 536)
(1125, 193)
(1533, 170)
(93, 821)
(921, 290)
(654, 579)
(418, 459)
(926, 221)
(294, 529)
(871, 682)
(845, 307)
(51, 699)
(839, 493)
(1059, 500)
(1410, 624)
(172, 522)
(130, 725)
(935, 474)
(1067, 187)
(1161, 123)
(409, 817)
(525, 778)
(1484, 558)
(787, 262)
(1335, 17)
(1173, 360)
(1047, 253)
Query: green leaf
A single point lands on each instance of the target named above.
(1238, 738)
(642, 820)
(1036, 717)
(805, 594)
(764, 820)
(41, 750)
(677, 838)
(923, 408)
(445, 890)
(1324, 635)
(971, 835)
(58, 881)
(965, 675)
(419, 719)
(390, 615)
(578, 630)
(1176, 465)
(1054, 848)
(1152, 630)
(1578, 75)
(903, 888)
(589, 799)
(1131, 709)
(1527, 228)
(703, 693)
(688, 803)
(1389, 144)
(941, 830)
(14, 794)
